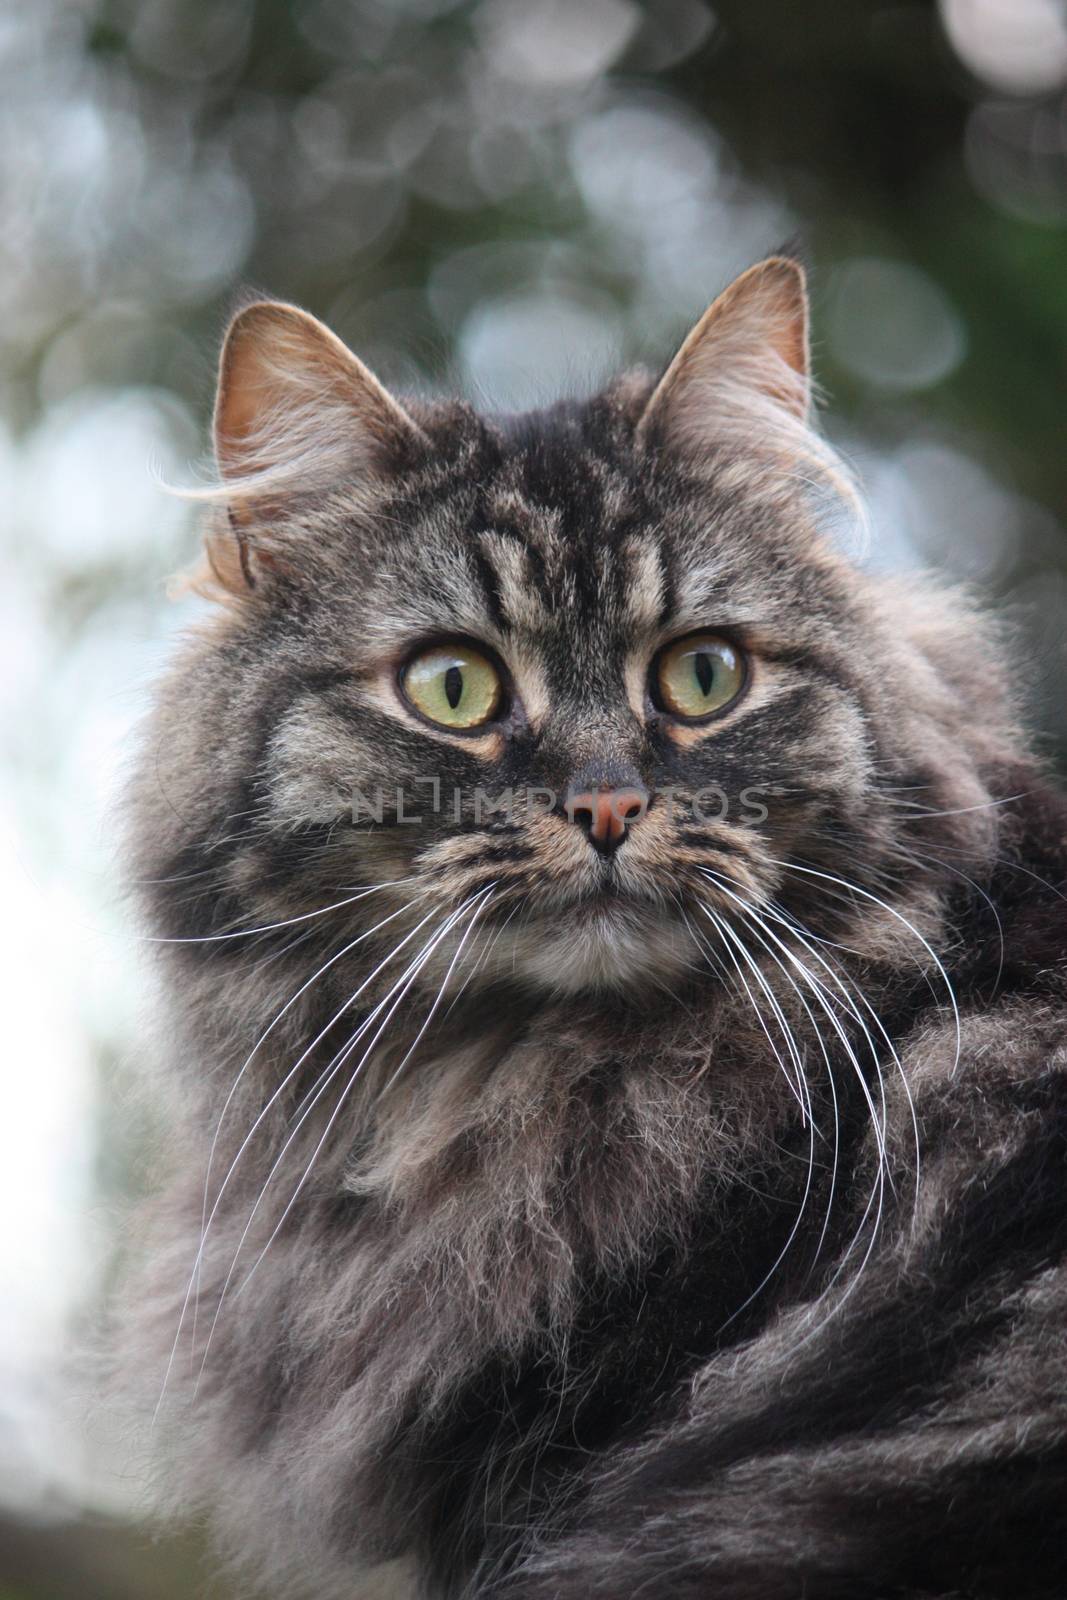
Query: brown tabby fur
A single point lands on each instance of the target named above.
(630, 1260)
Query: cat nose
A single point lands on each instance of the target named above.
(605, 815)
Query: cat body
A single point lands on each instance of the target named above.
(616, 1009)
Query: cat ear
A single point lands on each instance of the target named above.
(295, 409)
(748, 352)
(295, 412)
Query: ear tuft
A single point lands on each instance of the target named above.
(296, 409)
(295, 412)
(750, 346)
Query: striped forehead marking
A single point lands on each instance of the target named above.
(528, 583)
(538, 559)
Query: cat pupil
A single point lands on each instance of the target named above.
(454, 686)
(705, 672)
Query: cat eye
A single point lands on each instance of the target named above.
(698, 676)
(453, 685)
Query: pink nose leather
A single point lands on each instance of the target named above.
(606, 813)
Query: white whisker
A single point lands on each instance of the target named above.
(749, 912)
(310, 1101)
(406, 980)
(264, 1112)
(205, 1220)
(820, 994)
(287, 922)
(481, 903)
(808, 1120)
(727, 933)
(884, 904)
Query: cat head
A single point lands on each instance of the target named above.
(554, 694)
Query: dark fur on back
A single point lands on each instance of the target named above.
(693, 1223)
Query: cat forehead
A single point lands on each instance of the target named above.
(555, 516)
(565, 483)
(568, 534)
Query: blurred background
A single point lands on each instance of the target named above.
(513, 198)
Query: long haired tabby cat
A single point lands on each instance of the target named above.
(617, 1009)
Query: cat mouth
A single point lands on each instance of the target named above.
(605, 904)
(609, 909)
(608, 898)
(609, 939)
(614, 897)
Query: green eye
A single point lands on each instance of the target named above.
(453, 685)
(699, 675)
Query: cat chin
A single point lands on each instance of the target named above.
(608, 949)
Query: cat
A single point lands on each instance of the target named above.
(614, 1008)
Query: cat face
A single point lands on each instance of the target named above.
(563, 689)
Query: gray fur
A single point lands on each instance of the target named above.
(495, 1214)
